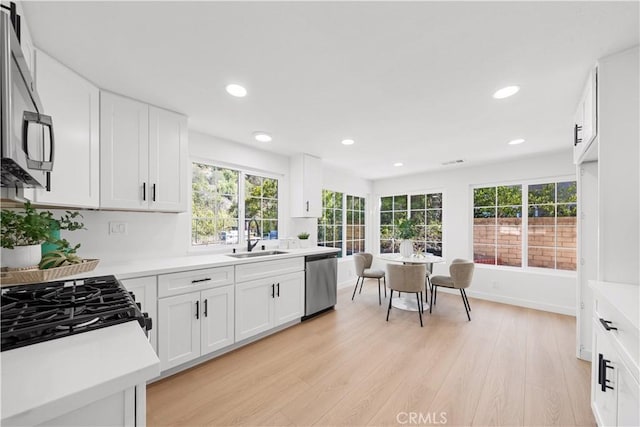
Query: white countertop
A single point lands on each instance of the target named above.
(43, 381)
(149, 267)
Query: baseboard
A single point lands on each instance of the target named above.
(569, 311)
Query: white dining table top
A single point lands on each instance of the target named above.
(414, 259)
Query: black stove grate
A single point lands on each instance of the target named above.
(35, 313)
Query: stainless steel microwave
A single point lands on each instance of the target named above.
(27, 133)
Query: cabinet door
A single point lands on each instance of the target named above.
(628, 398)
(146, 293)
(217, 318)
(73, 102)
(604, 402)
(168, 154)
(289, 301)
(124, 153)
(178, 329)
(306, 186)
(254, 308)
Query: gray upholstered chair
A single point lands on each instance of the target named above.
(461, 273)
(409, 279)
(364, 271)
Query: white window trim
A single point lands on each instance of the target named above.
(376, 214)
(242, 172)
(525, 225)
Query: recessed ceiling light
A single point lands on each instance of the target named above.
(397, 164)
(236, 90)
(348, 142)
(516, 141)
(506, 92)
(262, 137)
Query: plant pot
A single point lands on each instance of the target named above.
(47, 247)
(304, 243)
(406, 248)
(21, 256)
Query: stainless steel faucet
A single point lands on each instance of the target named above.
(250, 246)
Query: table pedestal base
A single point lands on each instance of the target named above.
(408, 302)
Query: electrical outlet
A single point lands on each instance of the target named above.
(495, 285)
(117, 227)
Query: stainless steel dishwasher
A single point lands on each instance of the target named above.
(321, 283)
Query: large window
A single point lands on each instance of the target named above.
(355, 225)
(550, 222)
(261, 203)
(552, 225)
(342, 222)
(424, 209)
(214, 206)
(497, 225)
(220, 204)
(330, 224)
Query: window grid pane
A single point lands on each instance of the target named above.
(355, 225)
(330, 227)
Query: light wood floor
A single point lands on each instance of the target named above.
(509, 366)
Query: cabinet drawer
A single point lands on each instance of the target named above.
(626, 335)
(193, 280)
(260, 270)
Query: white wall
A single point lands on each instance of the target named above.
(543, 290)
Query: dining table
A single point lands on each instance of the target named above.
(408, 302)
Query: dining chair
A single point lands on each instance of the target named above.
(461, 273)
(408, 279)
(363, 263)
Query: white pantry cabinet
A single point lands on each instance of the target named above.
(145, 291)
(196, 312)
(73, 102)
(267, 303)
(585, 127)
(306, 186)
(143, 156)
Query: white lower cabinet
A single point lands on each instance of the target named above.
(194, 324)
(266, 303)
(146, 293)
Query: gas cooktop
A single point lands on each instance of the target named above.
(46, 311)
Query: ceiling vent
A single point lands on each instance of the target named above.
(452, 162)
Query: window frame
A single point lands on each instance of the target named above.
(242, 172)
(525, 183)
(409, 194)
(343, 249)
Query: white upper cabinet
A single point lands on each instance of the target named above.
(167, 160)
(143, 155)
(585, 127)
(73, 103)
(306, 186)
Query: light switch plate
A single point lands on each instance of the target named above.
(117, 227)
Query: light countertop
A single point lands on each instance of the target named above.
(149, 267)
(45, 380)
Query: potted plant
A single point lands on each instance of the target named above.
(304, 239)
(22, 236)
(406, 231)
(28, 235)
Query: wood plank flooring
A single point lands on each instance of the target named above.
(509, 366)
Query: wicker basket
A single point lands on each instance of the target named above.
(22, 276)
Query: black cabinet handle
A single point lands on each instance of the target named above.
(603, 374)
(206, 308)
(576, 140)
(307, 206)
(600, 358)
(153, 193)
(606, 324)
(273, 291)
(206, 279)
(197, 309)
(278, 287)
(144, 191)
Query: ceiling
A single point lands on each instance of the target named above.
(410, 82)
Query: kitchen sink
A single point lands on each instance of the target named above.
(256, 254)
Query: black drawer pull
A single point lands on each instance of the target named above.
(144, 191)
(606, 324)
(206, 279)
(603, 374)
(278, 287)
(197, 309)
(206, 310)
